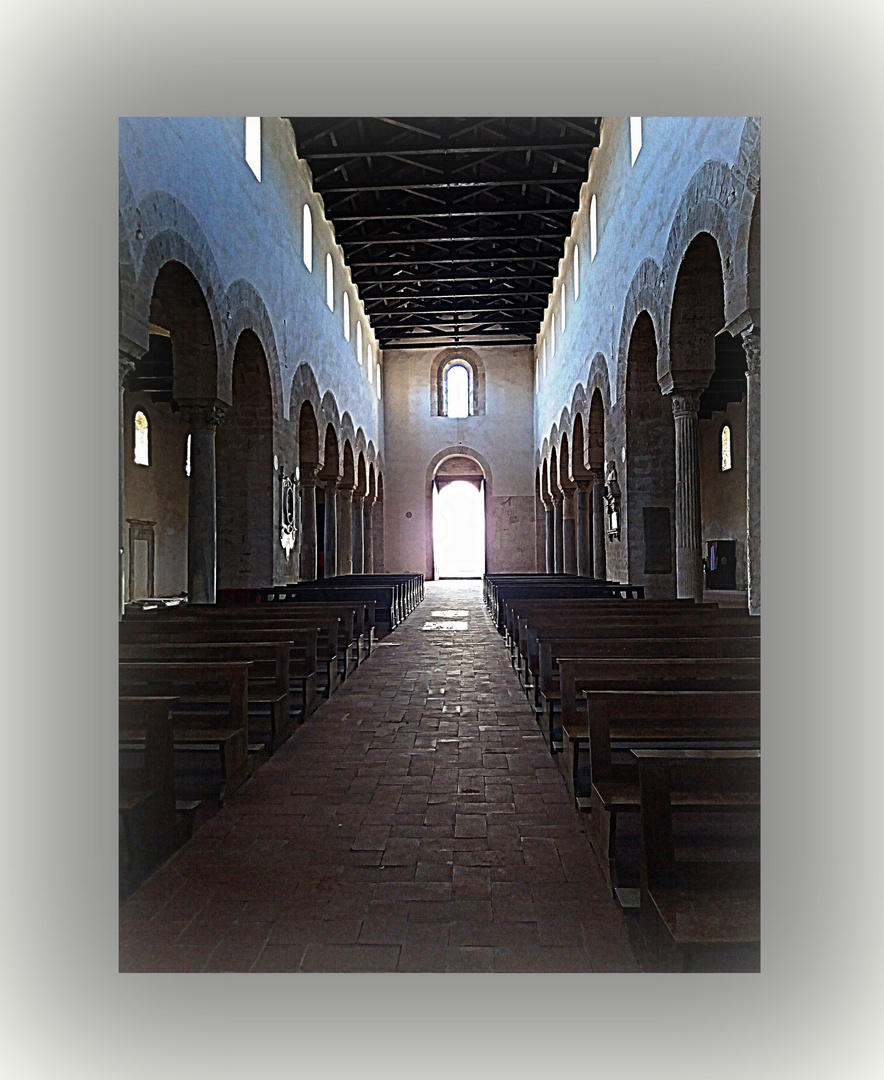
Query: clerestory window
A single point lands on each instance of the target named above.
(457, 391)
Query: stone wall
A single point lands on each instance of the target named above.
(417, 442)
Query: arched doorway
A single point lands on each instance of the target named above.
(458, 518)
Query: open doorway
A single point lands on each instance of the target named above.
(459, 529)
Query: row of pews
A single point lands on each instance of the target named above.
(209, 691)
(651, 709)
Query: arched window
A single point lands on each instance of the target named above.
(457, 390)
(377, 380)
(635, 136)
(330, 282)
(346, 316)
(187, 456)
(308, 238)
(253, 145)
(359, 342)
(593, 230)
(369, 359)
(142, 439)
(576, 271)
(726, 456)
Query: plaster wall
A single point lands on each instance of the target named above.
(502, 437)
(723, 494)
(158, 492)
(635, 208)
(185, 188)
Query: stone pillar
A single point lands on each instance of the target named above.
(202, 512)
(752, 349)
(307, 490)
(127, 365)
(550, 535)
(368, 530)
(584, 526)
(599, 561)
(559, 533)
(345, 529)
(358, 535)
(330, 541)
(569, 537)
(688, 529)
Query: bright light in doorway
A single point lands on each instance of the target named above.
(458, 530)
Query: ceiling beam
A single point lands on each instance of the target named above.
(545, 211)
(552, 238)
(447, 151)
(524, 181)
(538, 259)
(401, 346)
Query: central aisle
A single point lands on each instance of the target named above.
(416, 822)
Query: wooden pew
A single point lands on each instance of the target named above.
(269, 683)
(197, 728)
(147, 791)
(698, 915)
(303, 644)
(502, 594)
(623, 720)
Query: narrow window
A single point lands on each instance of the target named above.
(726, 459)
(187, 456)
(253, 145)
(457, 391)
(359, 342)
(593, 230)
(142, 439)
(544, 356)
(308, 238)
(562, 312)
(346, 316)
(377, 373)
(330, 282)
(369, 359)
(635, 135)
(576, 270)
(552, 336)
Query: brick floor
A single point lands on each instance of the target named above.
(414, 823)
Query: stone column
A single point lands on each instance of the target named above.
(330, 541)
(202, 512)
(368, 531)
(559, 533)
(688, 529)
(127, 365)
(307, 490)
(345, 529)
(358, 535)
(752, 349)
(550, 535)
(599, 561)
(584, 526)
(569, 537)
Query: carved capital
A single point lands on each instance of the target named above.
(127, 366)
(685, 403)
(752, 349)
(345, 491)
(204, 416)
(585, 481)
(558, 498)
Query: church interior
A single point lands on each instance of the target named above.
(440, 544)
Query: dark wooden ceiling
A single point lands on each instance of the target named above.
(452, 227)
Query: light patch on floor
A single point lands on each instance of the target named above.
(450, 614)
(445, 625)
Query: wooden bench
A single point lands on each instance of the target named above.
(269, 683)
(303, 646)
(619, 721)
(197, 727)
(147, 790)
(698, 915)
(635, 673)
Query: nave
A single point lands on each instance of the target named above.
(416, 822)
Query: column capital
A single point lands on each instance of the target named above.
(204, 414)
(369, 500)
(752, 349)
(685, 401)
(127, 366)
(557, 498)
(585, 481)
(346, 490)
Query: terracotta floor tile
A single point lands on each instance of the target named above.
(401, 827)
